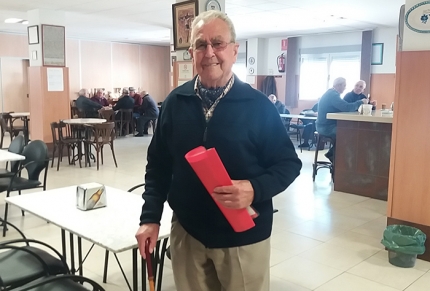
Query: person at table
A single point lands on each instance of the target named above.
(124, 102)
(278, 104)
(85, 105)
(309, 126)
(137, 99)
(357, 94)
(99, 98)
(213, 110)
(331, 102)
(147, 111)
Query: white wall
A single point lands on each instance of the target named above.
(272, 49)
(387, 36)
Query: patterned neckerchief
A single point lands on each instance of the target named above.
(211, 97)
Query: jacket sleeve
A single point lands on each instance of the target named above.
(344, 106)
(118, 105)
(158, 175)
(92, 104)
(277, 156)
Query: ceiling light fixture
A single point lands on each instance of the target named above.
(24, 22)
(13, 20)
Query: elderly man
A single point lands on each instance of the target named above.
(213, 111)
(99, 98)
(88, 107)
(146, 112)
(357, 94)
(136, 97)
(331, 102)
(278, 104)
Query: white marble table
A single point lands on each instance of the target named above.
(377, 116)
(6, 156)
(112, 227)
(84, 120)
(24, 117)
(298, 116)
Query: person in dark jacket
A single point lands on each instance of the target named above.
(213, 110)
(125, 102)
(85, 105)
(331, 102)
(357, 94)
(309, 126)
(147, 111)
(278, 104)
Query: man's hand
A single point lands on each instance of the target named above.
(373, 102)
(145, 232)
(238, 196)
(365, 100)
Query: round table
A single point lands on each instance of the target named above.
(84, 121)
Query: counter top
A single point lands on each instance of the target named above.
(376, 116)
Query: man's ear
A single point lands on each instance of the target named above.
(190, 50)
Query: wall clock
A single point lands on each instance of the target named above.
(186, 55)
(213, 5)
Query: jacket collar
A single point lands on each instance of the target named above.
(236, 91)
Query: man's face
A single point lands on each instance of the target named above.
(340, 88)
(359, 88)
(272, 98)
(99, 94)
(132, 93)
(213, 62)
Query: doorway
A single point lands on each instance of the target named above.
(14, 85)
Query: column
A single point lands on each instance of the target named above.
(48, 76)
(408, 201)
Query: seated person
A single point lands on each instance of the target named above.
(99, 98)
(88, 107)
(278, 104)
(124, 102)
(147, 111)
(357, 94)
(309, 126)
(137, 100)
(331, 102)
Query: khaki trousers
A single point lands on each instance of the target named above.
(197, 268)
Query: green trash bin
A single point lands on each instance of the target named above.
(404, 243)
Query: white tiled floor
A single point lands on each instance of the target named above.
(322, 240)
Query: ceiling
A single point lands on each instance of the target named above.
(149, 21)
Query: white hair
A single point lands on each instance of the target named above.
(363, 82)
(208, 16)
(339, 81)
(82, 92)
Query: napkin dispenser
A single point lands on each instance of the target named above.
(90, 196)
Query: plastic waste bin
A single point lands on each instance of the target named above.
(404, 243)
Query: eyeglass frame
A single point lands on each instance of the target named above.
(206, 44)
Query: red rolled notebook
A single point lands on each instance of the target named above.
(212, 173)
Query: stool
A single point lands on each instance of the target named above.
(321, 164)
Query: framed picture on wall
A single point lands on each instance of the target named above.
(53, 45)
(377, 53)
(183, 15)
(33, 34)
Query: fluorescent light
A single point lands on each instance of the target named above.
(12, 20)
(24, 22)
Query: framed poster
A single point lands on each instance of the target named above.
(183, 71)
(377, 53)
(183, 16)
(53, 45)
(33, 34)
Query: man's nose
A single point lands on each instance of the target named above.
(209, 51)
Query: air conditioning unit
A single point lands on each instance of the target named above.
(401, 28)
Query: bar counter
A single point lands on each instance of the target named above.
(362, 157)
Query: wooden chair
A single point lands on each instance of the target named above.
(6, 123)
(61, 136)
(100, 135)
(125, 120)
(109, 115)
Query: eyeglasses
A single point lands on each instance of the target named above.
(216, 45)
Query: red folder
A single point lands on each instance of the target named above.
(212, 173)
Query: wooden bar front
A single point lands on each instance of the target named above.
(362, 160)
